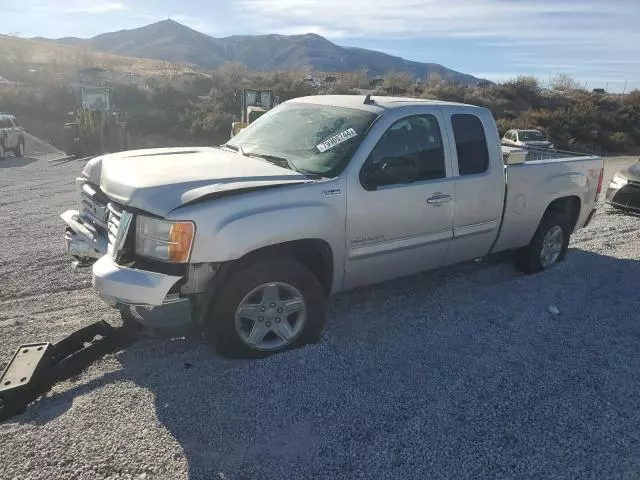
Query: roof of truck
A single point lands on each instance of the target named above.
(379, 102)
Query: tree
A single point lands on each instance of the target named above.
(434, 80)
(398, 82)
(564, 83)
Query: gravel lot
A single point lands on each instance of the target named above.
(462, 373)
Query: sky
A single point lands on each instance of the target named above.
(595, 42)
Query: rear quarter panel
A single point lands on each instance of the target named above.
(532, 186)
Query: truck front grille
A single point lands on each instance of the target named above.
(92, 202)
(118, 223)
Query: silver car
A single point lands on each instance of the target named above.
(526, 138)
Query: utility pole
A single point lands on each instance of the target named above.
(606, 87)
(624, 90)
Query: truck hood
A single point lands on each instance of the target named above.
(160, 180)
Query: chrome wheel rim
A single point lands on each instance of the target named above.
(21, 148)
(271, 316)
(552, 246)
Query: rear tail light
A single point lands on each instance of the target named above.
(599, 189)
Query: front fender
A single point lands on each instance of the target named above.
(233, 237)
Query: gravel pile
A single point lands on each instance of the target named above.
(463, 373)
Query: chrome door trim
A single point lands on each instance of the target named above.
(399, 244)
(474, 228)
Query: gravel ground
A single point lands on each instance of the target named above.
(463, 373)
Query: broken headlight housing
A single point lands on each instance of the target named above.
(164, 240)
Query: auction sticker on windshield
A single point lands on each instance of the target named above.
(336, 140)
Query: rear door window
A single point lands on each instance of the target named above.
(471, 144)
(5, 122)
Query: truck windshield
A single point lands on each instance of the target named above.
(315, 139)
(532, 135)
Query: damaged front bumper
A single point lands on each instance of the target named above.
(86, 241)
(142, 295)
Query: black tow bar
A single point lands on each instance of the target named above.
(36, 367)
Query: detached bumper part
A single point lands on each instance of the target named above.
(35, 367)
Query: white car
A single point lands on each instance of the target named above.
(526, 138)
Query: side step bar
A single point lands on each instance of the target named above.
(36, 367)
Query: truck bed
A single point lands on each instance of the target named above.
(545, 175)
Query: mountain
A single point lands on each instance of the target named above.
(174, 42)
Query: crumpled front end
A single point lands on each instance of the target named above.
(100, 234)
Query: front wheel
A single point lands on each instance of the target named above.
(266, 306)
(548, 246)
(20, 149)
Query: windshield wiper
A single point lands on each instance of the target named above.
(280, 161)
(235, 148)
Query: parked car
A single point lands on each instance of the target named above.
(526, 138)
(319, 195)
(624, 189)
(11, 136)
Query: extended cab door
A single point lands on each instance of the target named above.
(400, 200)
(479, 179)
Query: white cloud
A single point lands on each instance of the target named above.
(101, 7)
(545, 22)
(92, 7)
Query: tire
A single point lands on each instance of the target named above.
(531, 259)
(254, 284)
(19, 151)
(2, 151)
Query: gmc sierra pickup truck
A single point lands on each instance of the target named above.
(246, 241)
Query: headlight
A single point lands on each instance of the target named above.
(552, 146)
(167, 241)
(618, 181)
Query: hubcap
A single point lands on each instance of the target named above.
(271, 316)
(552, 246)
(21, 147)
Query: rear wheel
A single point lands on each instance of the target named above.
(548, 246)
(2, 152)
(266, 306)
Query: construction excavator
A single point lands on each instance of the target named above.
(254, 104)
(96, 127)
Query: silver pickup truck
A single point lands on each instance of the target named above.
(246, 241)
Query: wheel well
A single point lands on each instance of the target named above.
(569, 206)
(315, 254)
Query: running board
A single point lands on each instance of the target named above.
(36, 367)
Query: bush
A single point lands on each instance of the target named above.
(201, 107)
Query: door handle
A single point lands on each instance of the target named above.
(438, 198)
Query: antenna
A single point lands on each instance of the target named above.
(368, 100)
